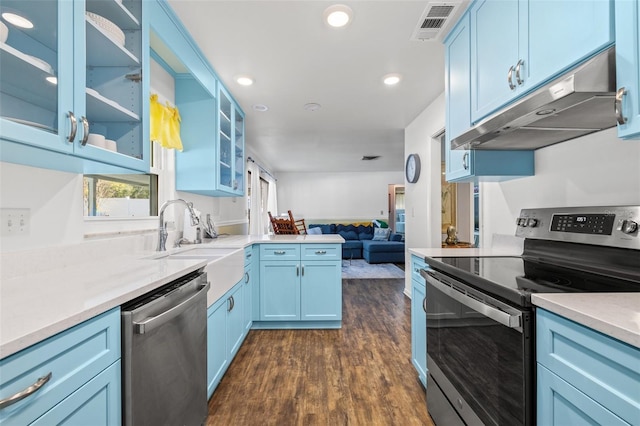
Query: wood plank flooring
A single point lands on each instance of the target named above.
(358, 375)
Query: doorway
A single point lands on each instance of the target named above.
(396, 209)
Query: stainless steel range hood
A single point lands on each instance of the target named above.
(579, 102)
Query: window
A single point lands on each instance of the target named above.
(120, 195)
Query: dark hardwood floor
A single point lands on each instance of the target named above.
(358, 375)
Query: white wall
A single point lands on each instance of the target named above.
(422, 199)
(597, 169)
(339, 196)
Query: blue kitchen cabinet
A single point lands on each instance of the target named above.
(217, 352)
(517, 45)
(247, 309)
(418, 319)
(584, 377)
(235, 319)
(95, 403)
(225, 333)
(255, 283)
(466, 165)
(627, 17)
(71, 76)
(85, 377)
(230, 165)
(279, 290)
(212, 161)
(300, 286)
(319, 299)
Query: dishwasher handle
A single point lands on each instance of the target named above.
(150, 323)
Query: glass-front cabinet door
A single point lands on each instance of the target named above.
(230, 167)
(36, 72)
(73, 79)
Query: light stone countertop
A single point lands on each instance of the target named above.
(614, 314)
(37, 304)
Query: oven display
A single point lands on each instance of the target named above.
(599, 224)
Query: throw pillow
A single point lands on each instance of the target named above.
(395, 237)
(381, 234)
(314, 231)
(380, 223)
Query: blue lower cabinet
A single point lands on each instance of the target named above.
(217, 353)
(235, 319)
(584, 376)
(318, 300)
(247, 308)
(97, 403)
(74, 362)
(280, 290)
(559, 403)
(300, 286)
(225, 333)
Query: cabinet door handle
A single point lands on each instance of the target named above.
(518, 67)
(465, 161)
(424, 304)
(510, 78)
(279, 252)
(26, 392)
(85, 127)
(74, 127)
(246, 277)
(232, 303)
(619, 115)
(303, 270)
(321, 252)
(297, 271)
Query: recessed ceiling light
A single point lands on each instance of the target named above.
(260, 107)
(312, 106)
(338, 15)
(244, 80)
(17, 20)
(391, 79)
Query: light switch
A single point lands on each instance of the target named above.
(15, 222)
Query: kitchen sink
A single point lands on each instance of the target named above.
(224, 269)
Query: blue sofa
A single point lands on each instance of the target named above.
(359, 243)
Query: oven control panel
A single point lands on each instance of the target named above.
(600, 224)
(608, 226)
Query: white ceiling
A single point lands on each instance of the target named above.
(296, 59)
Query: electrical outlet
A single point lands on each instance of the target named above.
(15, 222)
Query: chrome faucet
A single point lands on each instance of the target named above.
(162, 228)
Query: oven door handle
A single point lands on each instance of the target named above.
(509, 319)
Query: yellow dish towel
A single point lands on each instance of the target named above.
(165, 124)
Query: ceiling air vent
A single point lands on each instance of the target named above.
(370, 157)
(437, 18)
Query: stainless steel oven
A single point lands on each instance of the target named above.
(480, 321)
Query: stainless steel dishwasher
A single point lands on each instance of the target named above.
(164, 355)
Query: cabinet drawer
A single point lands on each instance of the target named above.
(280, 252)
(248, 254)
(603, 368)
(98, 403)
(73, 357)
(417, 263)
(321, 251)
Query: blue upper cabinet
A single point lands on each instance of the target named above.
(212, 161)
(230, 164)
(628, 68)
(80, 69)
(517, 45)
(465, 165)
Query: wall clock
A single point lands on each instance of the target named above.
(412, 168)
